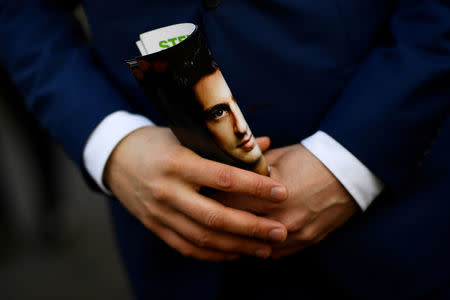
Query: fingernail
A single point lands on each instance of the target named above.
(277, 234)
(263, 253)
(279, 193)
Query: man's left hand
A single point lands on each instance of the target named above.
(317, 203)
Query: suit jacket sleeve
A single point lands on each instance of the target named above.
(51, 63)
(394, 104)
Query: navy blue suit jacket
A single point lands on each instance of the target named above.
(374, 74)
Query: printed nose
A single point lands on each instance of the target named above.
(240, 126)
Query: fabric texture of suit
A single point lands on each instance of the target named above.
(374, 75)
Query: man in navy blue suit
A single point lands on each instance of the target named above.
(363, 85)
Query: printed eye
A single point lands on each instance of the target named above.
(218, 114)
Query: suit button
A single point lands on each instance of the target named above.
(211, 4)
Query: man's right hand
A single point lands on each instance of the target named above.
(158, 181)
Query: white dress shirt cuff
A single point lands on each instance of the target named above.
(359, 181)
(105, 138)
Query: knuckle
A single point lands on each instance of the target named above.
(214, 219)
(319, 239)
(203, 240)
(147, 216)
(254, 229)
(308, 235)
(224, 178)
(258, 186)
(172, 161)
(160, 192)
(148, 223)
(295, 222)
(292, 226)
(187, 251)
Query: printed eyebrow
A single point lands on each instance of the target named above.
(223, 106)
(223, 102)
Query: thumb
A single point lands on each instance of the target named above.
(263, 143)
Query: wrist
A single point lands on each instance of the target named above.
(103, 140)
(124, 154)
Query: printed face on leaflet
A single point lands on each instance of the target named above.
(224, 119)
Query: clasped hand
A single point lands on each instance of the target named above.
(158, 181)
(317, 203)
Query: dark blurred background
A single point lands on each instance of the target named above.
(56, 239)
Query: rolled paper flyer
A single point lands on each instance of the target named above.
(183, 82)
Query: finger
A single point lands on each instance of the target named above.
(326, 222)
(291, 248)
(277, 254)
(294, 218)
(204, 172)
(216, 216)
(263, 143)
(291, 242)
(305, 237)
(274, 155)
(205, 238)
(186, 248)
(309, 235)
(244, 202)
